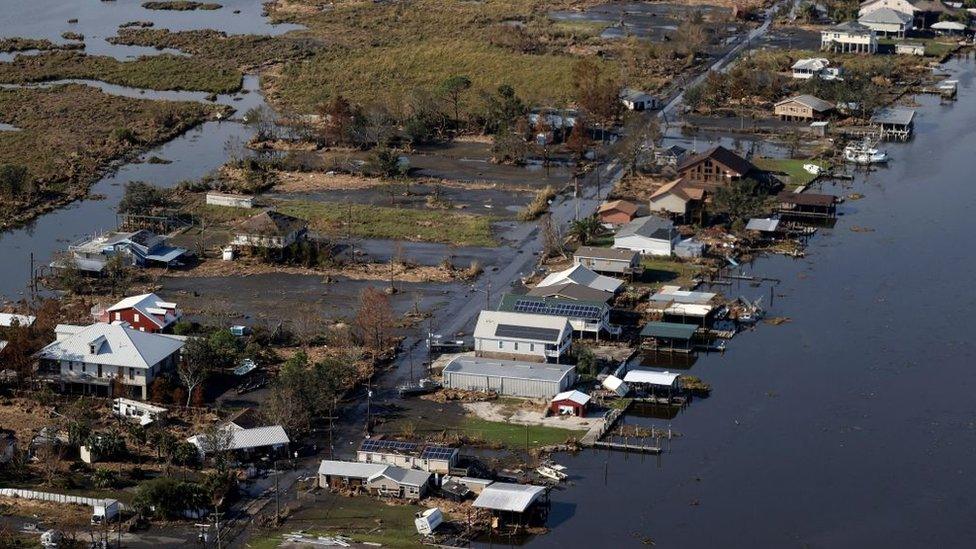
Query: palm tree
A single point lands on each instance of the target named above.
(585, 229)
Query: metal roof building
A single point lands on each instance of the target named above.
(583, 276)
(522, 336)
(505, 496)
(509, 377)
(273, 436)
(652, 377)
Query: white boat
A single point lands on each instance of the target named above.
(812, 169)
(864, 153)
(551, 473)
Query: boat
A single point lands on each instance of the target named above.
(812, 169)
(424, 386)
(550, 473)
(864, 153)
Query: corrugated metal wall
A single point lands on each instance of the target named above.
(527, 388)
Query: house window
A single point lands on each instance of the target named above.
(501, 345)
(531, 347)
(99, 370)
(135, 317)
(82, 367)
(516, 345)
(132, 373)
(118, 316)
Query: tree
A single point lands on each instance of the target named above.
(196, 365)
(168, 498)
(509, 148)
(14, 181)
(338, 116)
(384, 162)
(579, 140)
(586, 361)
(502, 109)
(453, 88)
(374, 320)
(262, 120)
(738, 200)
(215, 442)
(583, 230)
(596, 93)
(140, 197)
(552, 242)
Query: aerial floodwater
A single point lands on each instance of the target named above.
(852, 425)
(192, 155)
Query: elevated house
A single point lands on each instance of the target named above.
(923, 13)
(805, 69)
(140, 248)
(649, 235)
(374, 478)
(803, 108)
(144, 312)
(616, 212)
(522, 336)
(849, 37)
(887, 22)
(716, 167)
(87, 359)
(608, 260)
(433, 458)
(508, 377)
(572, 292)
(677, 198)
(586, 317)
(584, 276)
(270, 229)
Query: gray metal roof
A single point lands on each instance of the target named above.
(406, 477)
(115, 345)
(886, 16)
(898, 116)
(610, 254)
(814, 103)
(352, 469)
(505, 496)
(514, 369)
(650, 227)
(242, 439)
(851, 27)
(763, 225)
(571, 291)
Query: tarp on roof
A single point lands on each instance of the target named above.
(671, 330)
(652, 377)
(505, 496)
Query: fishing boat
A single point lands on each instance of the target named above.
(551, 473)
(864, 153)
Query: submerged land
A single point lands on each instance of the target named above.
(411, 181)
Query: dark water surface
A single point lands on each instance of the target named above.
(854, 425)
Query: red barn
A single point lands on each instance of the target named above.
(146, 313)
(569, 403)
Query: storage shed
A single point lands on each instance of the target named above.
(569, 403)
(509, 377)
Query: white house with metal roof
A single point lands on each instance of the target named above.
(376, 478)
(812, 67)
(649, 235)
(522, 336)
(887, 22)
(88, 358)
(508, 377)
(584, 276)
(849, 37)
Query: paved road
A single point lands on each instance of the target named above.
(518, 259)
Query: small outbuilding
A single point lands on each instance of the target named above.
(668, 337)
(616, 212)
(910, 48)
(569, 403)
(894, 123)
(636, 100)
(510, 503)
(617, 385)
(653, 380)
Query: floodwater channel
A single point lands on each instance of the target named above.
(851, 425)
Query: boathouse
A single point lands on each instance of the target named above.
(653, 380)
(511, 503)
(894, 123)
(668, 337)
(807, 204)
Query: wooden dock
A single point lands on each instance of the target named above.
(627, 447)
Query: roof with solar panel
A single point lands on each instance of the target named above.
(523, 326)
(552, 306)
(402, 447)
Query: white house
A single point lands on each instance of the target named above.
(649, 235)
(849, 37)
(584, 276)
(88, 358)
(522, 336)
(903, 6)
(812, 67)
(272, 438)
(676, 198)
(636, 100)
(887, 22)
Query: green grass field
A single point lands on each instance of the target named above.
(792, 167)
(662, 270)
(514, 436)
(367, 221)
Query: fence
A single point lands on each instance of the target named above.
(56, 498)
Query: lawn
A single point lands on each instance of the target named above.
(368, 221)
(362, 518)
(793, 167)
(658, 270)
(933, 47)
(514, 436)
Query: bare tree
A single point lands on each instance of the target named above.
(551, 238)
(194, 368)
(375, 320)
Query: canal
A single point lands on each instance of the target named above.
(851, 425)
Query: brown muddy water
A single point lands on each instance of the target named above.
(853, 425)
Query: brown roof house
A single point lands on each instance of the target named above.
(715, 168)
(677, 197)
(803, 107)
(270, 229)
(617, 212)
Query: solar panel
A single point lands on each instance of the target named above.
(527, 332)
(572, 310)
(371, 445)
(437, 452)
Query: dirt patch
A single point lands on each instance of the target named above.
(46, 511)
(355, 271)
(525, 412)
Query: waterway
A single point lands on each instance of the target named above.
(852, 425)
(192, 155)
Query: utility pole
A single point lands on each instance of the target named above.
(217, 525)
(277, 497)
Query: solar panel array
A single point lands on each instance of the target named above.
(567, 309)
(526, 332)
(437, 452)
(398, 446)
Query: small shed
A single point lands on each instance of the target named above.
(910, 48)
(229, 200)
(616, 212)
(617, 385)
(509, 502)
(668, 336)
(569, 403)
(637, 100)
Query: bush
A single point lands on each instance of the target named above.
(167, 498)
(104, 479)
(182, 328)
(142, 198)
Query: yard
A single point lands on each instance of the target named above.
(516, 436)
(793, 167)
(368, 221)
(664, 270)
